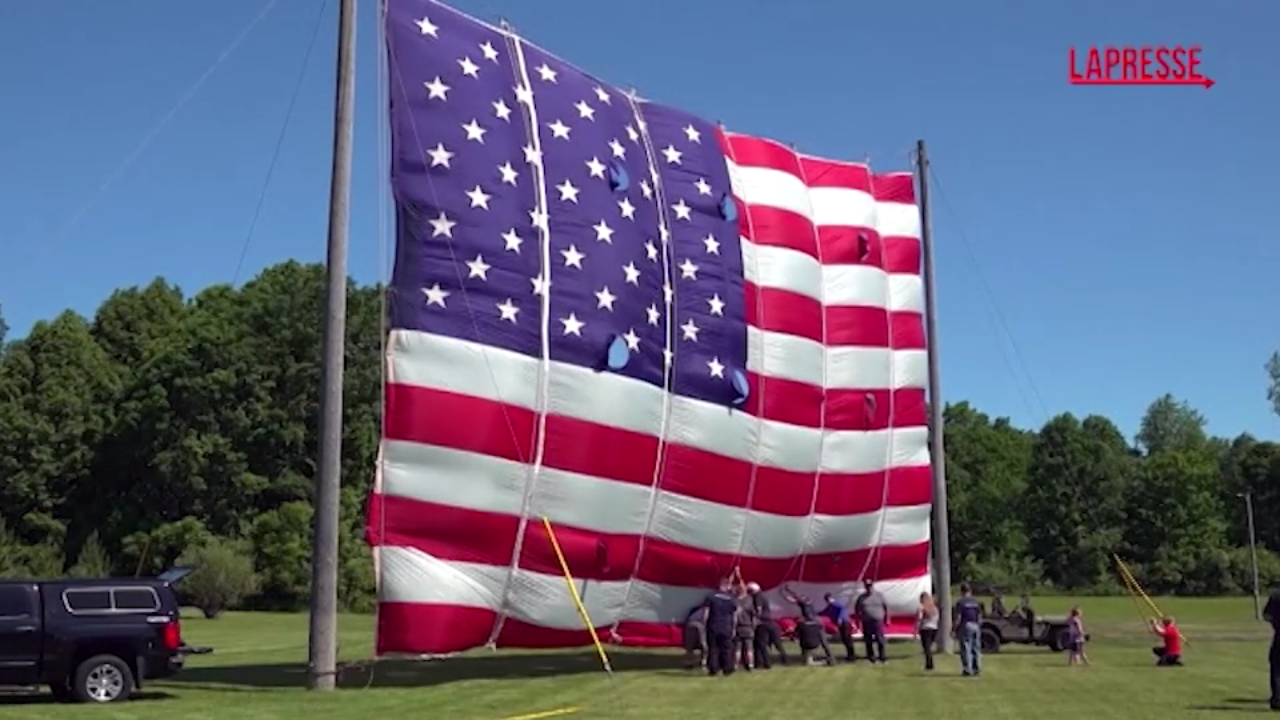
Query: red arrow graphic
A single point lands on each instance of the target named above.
(1204, 81)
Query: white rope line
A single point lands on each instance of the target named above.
(60, 234)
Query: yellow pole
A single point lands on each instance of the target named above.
(1129, 588)
(577, 599)
(1134, 583)
(1130, 579)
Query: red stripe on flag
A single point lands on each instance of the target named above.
(472, 536)
(430, 417)
(410, 627)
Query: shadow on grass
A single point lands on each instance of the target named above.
(1249, 705)
(45, 698)
(422, 673)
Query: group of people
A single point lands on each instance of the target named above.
(735, 628)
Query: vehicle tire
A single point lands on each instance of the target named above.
(102, 679)
(1059, 639)
(990, 640)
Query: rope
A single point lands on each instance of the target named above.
(529, 112)
(119, 171)
(275, 152)
(384, 272)
(876, 548)
(802, 556)
(992, 304)
(668, 370)
(453, 254)
(449, 243)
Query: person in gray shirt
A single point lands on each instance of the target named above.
(872, 610)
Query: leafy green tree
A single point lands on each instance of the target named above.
(282, 554)
(222, 578)
(1273, 374)
(20, 559)
(92, 561)
(1253, 468)
(4, 328)
(1174, 522)
(152, 551)
(986, 476)
(59, 385)
(355, 560)
(1170, 424)
(1073, 504)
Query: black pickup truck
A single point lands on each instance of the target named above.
(91, 640)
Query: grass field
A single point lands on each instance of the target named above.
(256, 673)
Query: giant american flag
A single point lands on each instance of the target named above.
(690, 350)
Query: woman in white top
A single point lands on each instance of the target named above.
(927, 627)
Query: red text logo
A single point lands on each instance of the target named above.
(1137, 65)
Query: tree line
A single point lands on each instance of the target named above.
(171, 429)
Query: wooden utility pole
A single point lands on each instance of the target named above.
(322, 655)
(937, 450)
(1253, 554)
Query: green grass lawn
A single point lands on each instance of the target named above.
(256, 673)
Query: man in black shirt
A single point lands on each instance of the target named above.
(768, 635)
(1272, 614)
(721, 611)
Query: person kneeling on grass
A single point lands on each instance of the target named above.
(1170, 653)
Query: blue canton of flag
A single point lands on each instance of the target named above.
(553, 215)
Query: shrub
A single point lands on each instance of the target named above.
(222, 577)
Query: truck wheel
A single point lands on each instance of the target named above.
(990, 641)
(103, 679)
(1059, 639)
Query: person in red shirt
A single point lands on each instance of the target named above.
(1171, 652)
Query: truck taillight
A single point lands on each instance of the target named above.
(171, 637)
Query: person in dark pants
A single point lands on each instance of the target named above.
(1272, 614)
(1169, 653)
(768, 635)
(721, 613)
(927, 627)
(873, 610)
(744, 629)
(695, 638)
(809, 632)
(838, 613)
(967, 621)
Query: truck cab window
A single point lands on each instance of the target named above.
(137, 599)
(87, 600)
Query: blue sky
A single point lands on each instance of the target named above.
(1097, 247)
